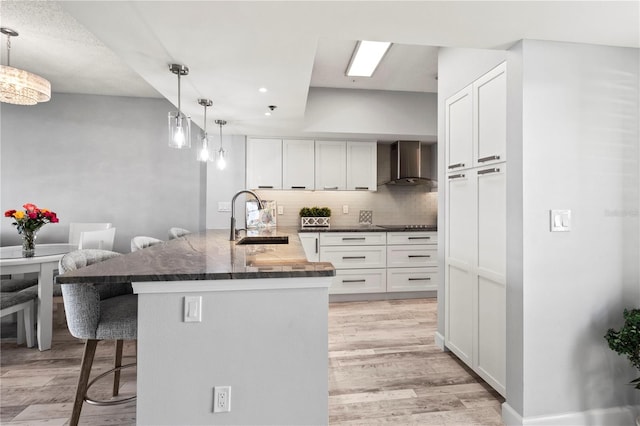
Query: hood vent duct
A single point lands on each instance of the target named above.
(406, 165)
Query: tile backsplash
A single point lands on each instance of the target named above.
(410, 205)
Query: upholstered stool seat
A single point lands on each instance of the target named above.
(177, 232)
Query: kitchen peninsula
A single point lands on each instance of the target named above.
(260, 327)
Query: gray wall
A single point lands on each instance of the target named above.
(98, 159)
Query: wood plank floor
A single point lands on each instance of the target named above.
(383, 368)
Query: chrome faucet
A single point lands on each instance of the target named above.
(234, 232)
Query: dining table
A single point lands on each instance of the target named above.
(44, 263)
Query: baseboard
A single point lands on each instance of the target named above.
(623, 416)
(439, 339)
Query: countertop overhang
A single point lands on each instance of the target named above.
(207, 255)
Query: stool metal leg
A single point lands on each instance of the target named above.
(117, 363)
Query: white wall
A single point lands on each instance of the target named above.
(380, 114)
(579, 152)
(98, 159)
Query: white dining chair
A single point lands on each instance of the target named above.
(141, 242)
(177, 232)
(76, 228)
(101, 240)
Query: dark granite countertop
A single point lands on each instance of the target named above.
(371, 228)
(206, 255)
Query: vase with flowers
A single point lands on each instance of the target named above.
(28, 222)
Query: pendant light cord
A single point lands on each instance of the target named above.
(8, 50)
(221, 135)
(179, 113)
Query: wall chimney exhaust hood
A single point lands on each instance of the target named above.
(406, 165)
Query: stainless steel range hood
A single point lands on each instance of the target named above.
(406, 165)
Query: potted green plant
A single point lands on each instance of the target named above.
(315, 217)
(626, 341)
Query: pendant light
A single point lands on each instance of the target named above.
(18, 86)
(204, 154)
(179, 124)
(222, 161)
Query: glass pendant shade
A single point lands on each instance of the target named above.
(204, 154)
(221, 163)
(179, 130)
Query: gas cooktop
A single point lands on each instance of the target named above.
(407, 227)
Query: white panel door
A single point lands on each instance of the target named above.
(298, 164)
(311, 245)
(490, 362)
(490, 106)
(331, 165)
(459, 130)
(264, 163)
(362, 168)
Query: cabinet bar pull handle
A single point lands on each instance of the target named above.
(353, 257)
(265, 186)
(419, 238)
(353, 238)
(354, 281)
(419, 279)
(298, 187)
(361, 188)
(487, 171)
(419, 255)
(316, 245)
(455, 166)
(489, 158)
(330, 187)
(459, 175)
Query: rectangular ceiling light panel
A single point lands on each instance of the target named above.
(366, 58)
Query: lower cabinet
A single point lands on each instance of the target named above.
(376, 262)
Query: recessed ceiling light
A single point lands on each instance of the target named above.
(366, 58)
(262, 90)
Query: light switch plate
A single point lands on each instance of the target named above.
(193, 309)
(224, 206)
(560, 220)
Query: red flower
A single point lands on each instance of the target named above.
(32, 215)
(9, 213)
(54, 218)
(30, 207)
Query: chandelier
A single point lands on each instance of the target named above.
(18, 86)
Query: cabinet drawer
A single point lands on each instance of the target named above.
(354, 257)
(412, 279)
(402, 238)
(412, 256)
(359, 281)
(353, 238)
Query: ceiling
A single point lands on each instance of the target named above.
(233, 48)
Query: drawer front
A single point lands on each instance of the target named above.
(359, 281)
(412, 279)
(412, 256)
(353, 238)
(404, 238)
(354, 257)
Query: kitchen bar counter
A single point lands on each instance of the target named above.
(213, 313)
(206, 256)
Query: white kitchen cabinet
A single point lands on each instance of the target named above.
(362, 166)
(330, 165)
(264, 163)
(412, 263)
(412, 279)
(351, 281)
(476, 122)
(475, 247)
(298, 164)
(311, 245)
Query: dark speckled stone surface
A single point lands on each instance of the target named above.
(205, 256)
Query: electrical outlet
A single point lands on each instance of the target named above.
(280, 209)
(221, 399)
(345, 209)
(224, 206)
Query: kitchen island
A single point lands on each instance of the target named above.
(213, 313)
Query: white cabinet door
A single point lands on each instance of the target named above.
(351, 281)
(459, 130)
(264, 163)
(460, 257)
(298, 164)
(354, 257)
(412, 279)
(362, 166)
(412, 256)
(490, 106)
(311, 245)
(331, 165)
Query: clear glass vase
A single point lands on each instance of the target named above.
(28, 243)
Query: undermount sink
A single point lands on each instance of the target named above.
(264, 240)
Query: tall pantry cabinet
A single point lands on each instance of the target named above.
(475, 253)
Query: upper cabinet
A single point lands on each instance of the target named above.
(322, 165)
(297, 164)
(476, 124)
(362, 166)
(331, 165)
(264, 163)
